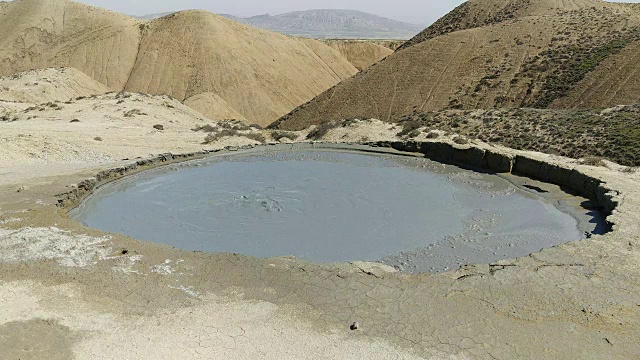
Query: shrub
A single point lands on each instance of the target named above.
(321, 130)
(460, 140)
(215, 136)
(409, 126)
(279, 135)
(413, 134)
(133, 112)
(256, 137)
(8, 117)
(205, 128)
(593, 161)
(234, 125)
(433, 135)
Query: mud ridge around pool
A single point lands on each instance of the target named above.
(429, 217)
(577, 300)
(468, 157)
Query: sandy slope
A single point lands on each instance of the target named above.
(76, 129)
(53, 33)
(259, 74)
(527, 55)
(45, 85)
(213, 106)
(362, 54)
(615, 82)
(477, 13)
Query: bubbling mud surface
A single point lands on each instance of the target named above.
(337, 206)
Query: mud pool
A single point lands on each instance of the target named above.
(340, 206)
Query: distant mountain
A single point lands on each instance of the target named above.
(325, 24)
(330, 23)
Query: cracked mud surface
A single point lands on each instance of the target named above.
(139, 300)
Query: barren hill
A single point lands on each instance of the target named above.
(332, 23)
(494, 53)
(258, 74)
(360, 53)
(48, 85)
(60, 33)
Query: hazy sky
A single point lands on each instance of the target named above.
(417, 11)
(423, 12)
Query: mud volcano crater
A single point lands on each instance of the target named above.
(337, 205)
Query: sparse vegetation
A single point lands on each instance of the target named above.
(593, 161)
(255, 136)
(229, 128)
(323, 129)
(410, 128)
(50, 105)
(215, 136)
(279, 135)
(227, 124)
(205, 128)
(613, 134)
(133, 112)
(432, 135)
(566, 63)
(9, 117)
(222, 133)
(460, 140)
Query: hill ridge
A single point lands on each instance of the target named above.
(123, 54)
(537, 56)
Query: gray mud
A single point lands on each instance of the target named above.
(336, 206)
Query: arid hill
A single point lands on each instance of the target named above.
(260, 74)
(491, 54)
(60, 33)
(48, 85)
(361, 53)
(256, 73)
(77, 123)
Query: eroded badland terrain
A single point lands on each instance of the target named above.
(546, 89)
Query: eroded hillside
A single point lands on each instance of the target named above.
(361, 53)
(48, 85)
(258, 74)
(60, 33)
(532, 57)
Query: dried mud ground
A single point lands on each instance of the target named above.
(69, 292)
